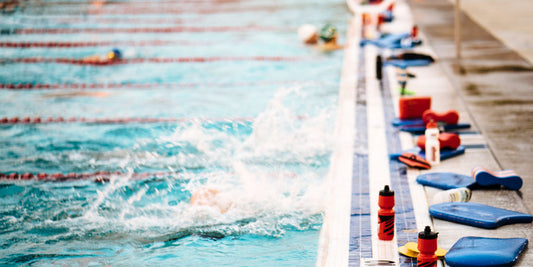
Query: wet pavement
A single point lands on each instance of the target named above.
(494, 81)
(509, 21)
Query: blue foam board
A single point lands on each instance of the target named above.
(405, 63)
(478, 215)
(485, 252)
(446, 180)
(390, 41)
(400, 122)
(444, 154)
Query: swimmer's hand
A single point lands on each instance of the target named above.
(328, 47)
(210, 197)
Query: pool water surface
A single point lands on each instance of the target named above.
(251, 121)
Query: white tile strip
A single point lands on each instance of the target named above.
(378, 159)
(335, 232)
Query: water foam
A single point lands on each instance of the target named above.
(272, 179)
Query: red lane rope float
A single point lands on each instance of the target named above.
(165, 9)
(85, 3)
(39, 120)
(118, 20)
(92, 44)
(96, 86)
(100, 176)
(143, 30)
(142, 60)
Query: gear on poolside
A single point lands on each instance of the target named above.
(328, 32)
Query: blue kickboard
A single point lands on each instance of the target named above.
(400, 122)
(485, 252)
(421, 128)
(405, 63)
(478, 215)
(390, 41)
(444, 154)
(446, 180)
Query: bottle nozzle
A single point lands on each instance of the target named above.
(427, 233)
(431, 124)
(427, 230)
(386, 191)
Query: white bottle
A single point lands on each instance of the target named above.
(432, 143)
(462, 194)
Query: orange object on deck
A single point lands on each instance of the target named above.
(446, 141)
(413, 107)
(448, 117)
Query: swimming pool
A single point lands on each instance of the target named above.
(251, 115)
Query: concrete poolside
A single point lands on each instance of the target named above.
(499, 138)
(494, 80)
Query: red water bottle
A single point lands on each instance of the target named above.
(386, 214)
(427, 245)
(414, 31)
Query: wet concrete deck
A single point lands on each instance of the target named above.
(495, 82)
(508, 21)
(494, 91)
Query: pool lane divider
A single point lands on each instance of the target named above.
(163, 30)
(112, 2)
(73, 61)
(49, 120)
(160, 10)
(59, 44)
(39, 120)
(113, 20)
(96, 86)
(99, 176)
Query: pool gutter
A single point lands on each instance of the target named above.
(335, 232)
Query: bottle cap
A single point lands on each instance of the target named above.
(386, 192)
(427, 234)
(431, 124)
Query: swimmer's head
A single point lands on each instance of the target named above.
(308, 34)
(114, 54)
(328, 33)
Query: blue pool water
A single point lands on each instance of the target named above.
(259, 132)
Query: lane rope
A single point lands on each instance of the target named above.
(96, 86)
(157, 10)
(94, 44)
(39, 120)
(99, 176)
(73, 61)
(178, 29)
(108, 2)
